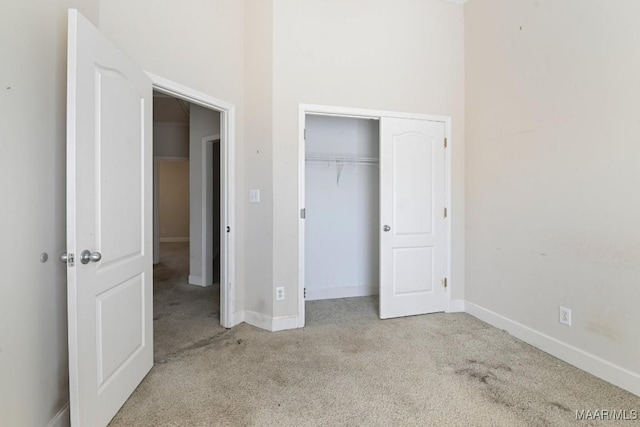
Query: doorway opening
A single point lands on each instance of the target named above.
(342, 209)
(205, 130)
(374, 191)
(186, 291)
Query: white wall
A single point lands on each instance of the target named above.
(33, 309)
(553, 166)
(258, 101)
(202, 123)
(405, 55)
(170, 140)
(342, 209)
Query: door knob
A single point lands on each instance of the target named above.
(87, 256)
(386, 228)
(63, 258)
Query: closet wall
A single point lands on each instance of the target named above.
(342, 212)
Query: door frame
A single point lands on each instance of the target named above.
(361, 113)
(206, 187)
(227, 186)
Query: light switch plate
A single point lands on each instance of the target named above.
(254, 195)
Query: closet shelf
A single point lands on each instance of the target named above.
(343, 160)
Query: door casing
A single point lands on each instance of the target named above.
(337, 111)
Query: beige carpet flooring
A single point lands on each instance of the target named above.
(347, 367)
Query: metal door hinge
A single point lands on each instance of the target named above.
(303, 213)
(305, 293)
(445, 143)
(444, 282)
(228, 229)
(305, 134)
(446, 213)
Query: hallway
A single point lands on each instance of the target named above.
(183, 315)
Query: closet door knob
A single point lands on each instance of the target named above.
(386, 228)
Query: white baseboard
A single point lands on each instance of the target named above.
(342, 292)
(258, 320)
(272, 324)
(62, 418)
(173, 239)
(284, 323)
(588, 362)
(456, 306)
(237, 318)
(197, 281)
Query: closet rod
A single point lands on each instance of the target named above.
(334, 159)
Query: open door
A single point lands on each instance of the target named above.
(109, 232)
(412, 229)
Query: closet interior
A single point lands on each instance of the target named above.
(342, 207)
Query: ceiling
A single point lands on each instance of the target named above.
(167, 109)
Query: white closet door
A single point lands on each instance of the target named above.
(412, 229)
(109, 184)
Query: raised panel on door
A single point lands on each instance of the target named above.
(108, 214)
(412, 249)
(119, 116)
(412, 204)
(120, 326)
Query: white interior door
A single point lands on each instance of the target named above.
(109, 184)
(412, 229)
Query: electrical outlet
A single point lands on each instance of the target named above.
(280, 293)
(565, 316)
